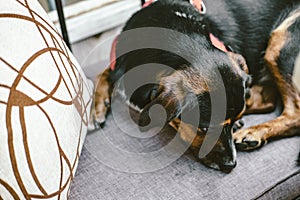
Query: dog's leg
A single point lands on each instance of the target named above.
(283, 47)
(259, 99)
(101, 99)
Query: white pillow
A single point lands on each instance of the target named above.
(45, 104)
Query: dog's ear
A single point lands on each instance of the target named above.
(178, 95)
(152, 116)
(170, 95)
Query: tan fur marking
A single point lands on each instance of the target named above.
(289, 95)
(240, 115)
(277, 41)
(262, 99)
(226, 122)
(191, 80)
(238, 61)
(289, 21)
(102, 96)
(181, 84)
(187, 134)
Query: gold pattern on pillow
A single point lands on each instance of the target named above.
(45, 101)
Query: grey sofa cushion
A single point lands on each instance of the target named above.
(270, 172)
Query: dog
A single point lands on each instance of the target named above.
(252, 44)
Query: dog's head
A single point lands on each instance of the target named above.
(201, 74)
(217, 92)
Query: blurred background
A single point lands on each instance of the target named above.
(50, 4)
(92, 26)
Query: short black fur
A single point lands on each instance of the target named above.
(243, 25)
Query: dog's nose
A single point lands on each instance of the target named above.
(224, 158)
(228, 166)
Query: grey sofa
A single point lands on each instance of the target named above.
(268, 173)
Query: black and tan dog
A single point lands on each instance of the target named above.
(265, 32)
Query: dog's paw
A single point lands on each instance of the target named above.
(99, 111)
(98, 116)
(101, 101)
(250, 138)
(238, 125)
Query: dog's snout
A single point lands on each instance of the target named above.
(228, 161)
(221, 159)
(223, 155)
(228, 166)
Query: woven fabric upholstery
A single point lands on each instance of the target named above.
(267, 173)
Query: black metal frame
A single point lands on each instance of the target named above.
(62, 21)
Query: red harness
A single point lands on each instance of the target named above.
(198, 5)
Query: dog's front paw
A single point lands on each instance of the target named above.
(99, 112)
(250, 138)
(101, 101)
